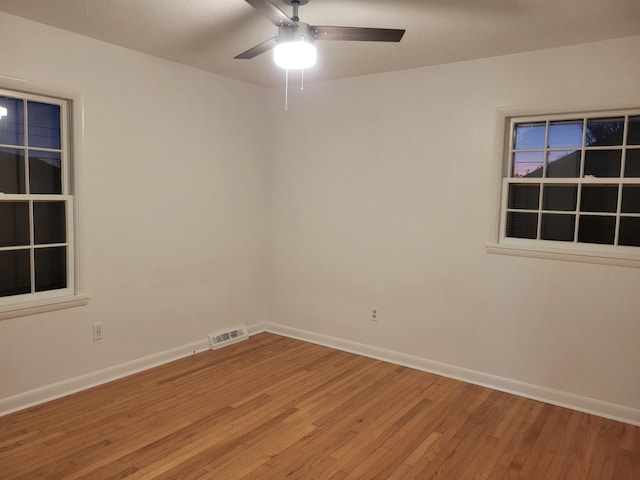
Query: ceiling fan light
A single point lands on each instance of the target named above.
(295, 55)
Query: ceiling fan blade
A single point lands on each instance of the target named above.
(258, 49)
(358, 34)
(273, 13)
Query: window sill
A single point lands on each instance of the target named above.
(554, 253)
(41, 306)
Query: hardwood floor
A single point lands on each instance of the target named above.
(277, 408)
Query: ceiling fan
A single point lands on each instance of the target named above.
(294, 45)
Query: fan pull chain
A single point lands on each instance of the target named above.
(302, 83)
(286, 89)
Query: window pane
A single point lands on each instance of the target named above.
(632, 164)
(633, 134)
(15, 272)
(599, 198)
(50, 268)
(596, 229)
(528, 164)
(529, 135)
(12, 171)
(14, 224)
(12, 125)
(49, 222)
(522, 225)
(45, 172)
(564, 164)
(560, 197)
(629, 231)
(44, 125)
(522, 196)
(605, 131)
(631, 199)
(565, 134)
(602, 163)
(558, 227)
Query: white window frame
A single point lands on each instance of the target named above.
(72, 125)
(557, 250)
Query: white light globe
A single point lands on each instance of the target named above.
(295, 55)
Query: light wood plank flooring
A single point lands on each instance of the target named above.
(276, 408)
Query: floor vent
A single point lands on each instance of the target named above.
(227, 337)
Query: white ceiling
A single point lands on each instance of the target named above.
(207, 34)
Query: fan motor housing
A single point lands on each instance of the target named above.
(303, 31)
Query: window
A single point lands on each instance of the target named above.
(37, 256)
(572, 184)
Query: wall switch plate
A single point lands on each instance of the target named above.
(97, 331)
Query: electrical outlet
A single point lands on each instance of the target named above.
(97, 331)
(374, 314)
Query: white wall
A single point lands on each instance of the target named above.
(172, 206)
(383, 194)
(381, 191)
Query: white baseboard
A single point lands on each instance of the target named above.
(535, 392)
(555, 397)
(93, 379)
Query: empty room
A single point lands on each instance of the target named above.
(320, 239)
